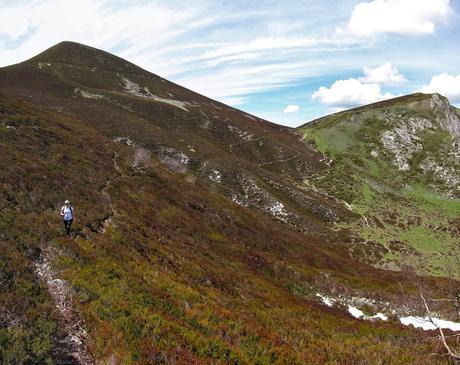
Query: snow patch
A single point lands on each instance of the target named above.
(326, 300)
(381, 316)
(352, 308)
(425, 323)
(355, 312)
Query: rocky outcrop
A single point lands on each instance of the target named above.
(445, 115)
(403, 141)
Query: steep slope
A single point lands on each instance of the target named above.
(178, 274)
(397, 164)
(256, 163)
(197, 240)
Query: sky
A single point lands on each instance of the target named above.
(286, 61)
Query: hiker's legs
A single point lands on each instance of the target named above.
(67, 225)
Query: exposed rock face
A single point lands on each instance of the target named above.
(447, 174)
(263, 200)
(403, 141)
(445, 115)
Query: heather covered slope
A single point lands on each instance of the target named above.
(197, 239)
(256, 163)
(396, 163)
(177, 274)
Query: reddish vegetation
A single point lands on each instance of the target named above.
(180, 274)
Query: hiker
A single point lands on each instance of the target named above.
(67, 214)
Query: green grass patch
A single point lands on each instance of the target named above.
(432, 202)
(423, 240)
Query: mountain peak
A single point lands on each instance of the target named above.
(77, 54)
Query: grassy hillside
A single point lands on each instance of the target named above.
(396, 164)
(196, 240)
(178, 273)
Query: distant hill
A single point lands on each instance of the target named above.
(397, 164)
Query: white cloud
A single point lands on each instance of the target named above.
(349, 93)
(197, 45)
(92, 22)
(233, 84)
(233, 100)
(262, 44)
(229, 51)
(408, 17)
(444, 84)
(291, 108)
(386, 74)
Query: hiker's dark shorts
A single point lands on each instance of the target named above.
(67, 225)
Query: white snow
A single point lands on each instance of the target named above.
(326, 300)
(381, 316)
(355, 312)
(425, 323)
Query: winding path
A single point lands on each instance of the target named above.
(72, 349)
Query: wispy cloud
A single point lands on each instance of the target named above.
(237, 51)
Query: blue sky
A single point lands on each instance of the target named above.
(288, 62)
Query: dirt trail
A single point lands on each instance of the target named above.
(105, 191)
(72, 349)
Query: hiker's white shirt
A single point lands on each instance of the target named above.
(67, 213)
